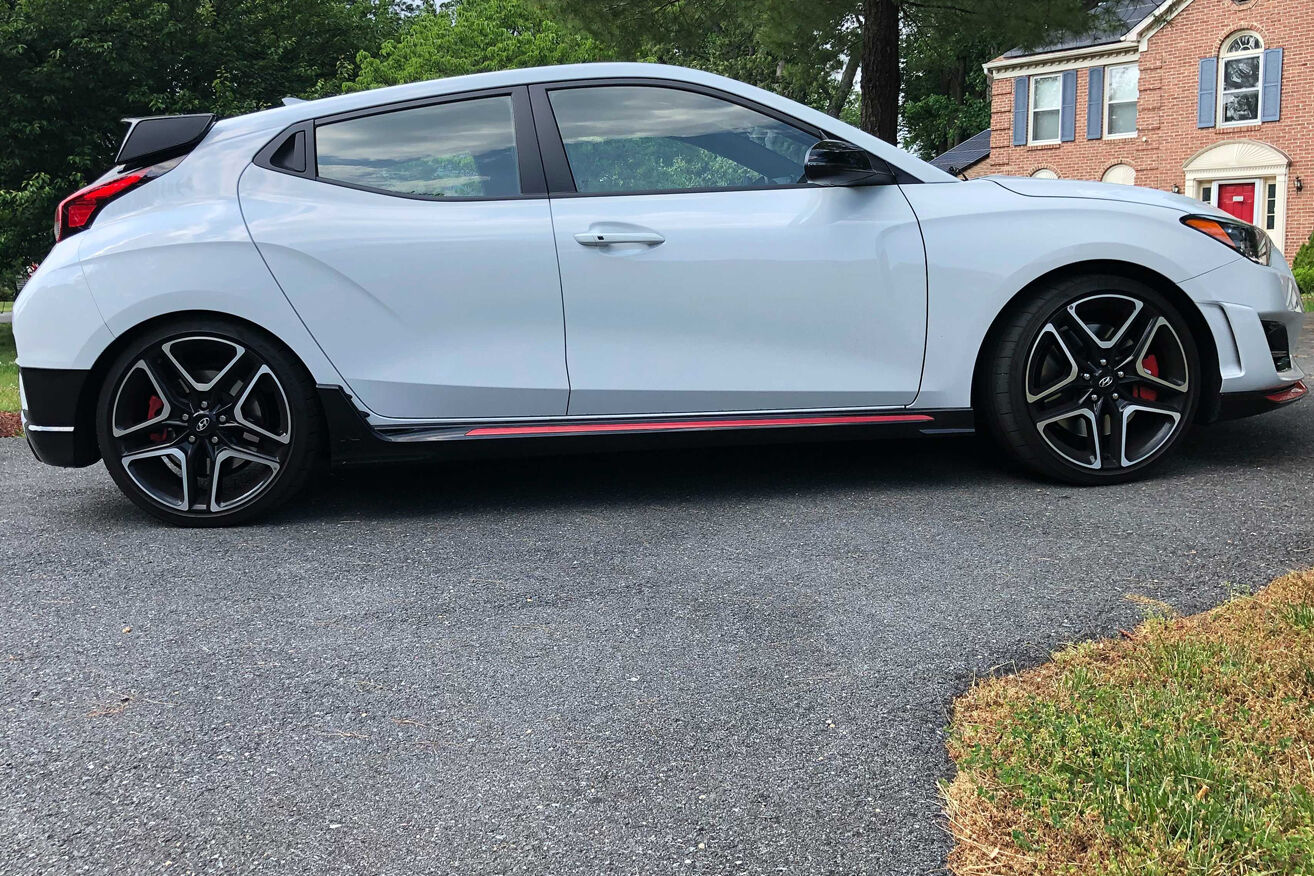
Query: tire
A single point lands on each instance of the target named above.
(203, 396)
(1092, 380)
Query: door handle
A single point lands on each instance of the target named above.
(608, 238)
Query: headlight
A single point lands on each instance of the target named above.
(1251, 242)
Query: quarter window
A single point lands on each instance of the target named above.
(641, 138)
(465, 149)
(1241, 73)
(1046, 108)
(1121, 97)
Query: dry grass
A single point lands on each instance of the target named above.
(1185, 747)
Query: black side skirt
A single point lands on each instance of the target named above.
(352, 440)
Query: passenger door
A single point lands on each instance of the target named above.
(415, 242)
(701, 273)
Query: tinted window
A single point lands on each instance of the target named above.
(465, 149)
(633, 138)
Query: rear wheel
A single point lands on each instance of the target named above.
(206, 423)
(1094, 380)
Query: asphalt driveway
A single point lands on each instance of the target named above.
(723, 661)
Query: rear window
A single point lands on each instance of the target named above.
(458, 150)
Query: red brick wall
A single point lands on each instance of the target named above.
(1167, 134)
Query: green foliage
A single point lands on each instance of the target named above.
(73, 69)
(1305, 255)
(8, 369)
(793, 49)
(1305, 280)
(473, 36)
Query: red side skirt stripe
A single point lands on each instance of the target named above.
(677, 425)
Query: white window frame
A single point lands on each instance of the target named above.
(1223, 57)
(1032, 110)
(1109, 103)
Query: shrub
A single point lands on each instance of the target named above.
(1305, 279)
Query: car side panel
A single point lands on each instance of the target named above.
(179, 243)
(985, 244)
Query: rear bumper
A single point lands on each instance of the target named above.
(53, 400)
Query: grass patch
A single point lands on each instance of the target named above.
(6, 306)
(8, 369)
(1186, 747)
(1309, 303)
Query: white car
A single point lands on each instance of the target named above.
(614, 250)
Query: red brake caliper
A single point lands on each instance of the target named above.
(153, 408)
(1148, 393)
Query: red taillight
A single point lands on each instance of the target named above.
(78, 209)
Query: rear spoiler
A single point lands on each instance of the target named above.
(158, 138)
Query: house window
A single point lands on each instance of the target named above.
(1046, 108)
(1241, 72)
(1270, 215)
(1045, 173)
(1207, 194)
(1120, 99)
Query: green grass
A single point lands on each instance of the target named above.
(8, 369)
(1185, 748)
(6, 306)
(1309, 303)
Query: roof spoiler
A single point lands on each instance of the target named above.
(158, 138)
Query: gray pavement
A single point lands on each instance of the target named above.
(715, 661)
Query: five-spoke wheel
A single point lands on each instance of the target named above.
(1092, 380)
(206, 422)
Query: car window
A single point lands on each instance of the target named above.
(465, 149)
(635, 138)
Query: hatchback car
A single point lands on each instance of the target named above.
(528, 258)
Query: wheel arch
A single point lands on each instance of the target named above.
(1190, 311)
(85, 412)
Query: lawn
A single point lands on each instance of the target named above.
(8, 369)
(1184, 747)
(1309, 303)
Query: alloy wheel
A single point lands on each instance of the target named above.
(1108, 382)
(201, 424)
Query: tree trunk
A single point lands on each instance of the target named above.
(880, 69)
(845, 87)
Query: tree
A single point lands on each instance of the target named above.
(73, 69)
(812, 41)
(472, 36)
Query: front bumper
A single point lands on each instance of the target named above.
(1235, 405)
(54, 420)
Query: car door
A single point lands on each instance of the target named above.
(701, 273)
(415, 242)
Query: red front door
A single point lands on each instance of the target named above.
(1238, 199)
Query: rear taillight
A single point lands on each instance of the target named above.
(78, 209)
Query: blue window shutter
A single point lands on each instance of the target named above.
(1272, 101)
(1021, 100)
(1095, 105)
(1207, 113)
(1069, 113)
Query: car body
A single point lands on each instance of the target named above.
(566, 282)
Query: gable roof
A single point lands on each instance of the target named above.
(968, 153)
(1127, 15)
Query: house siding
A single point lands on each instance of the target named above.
(1168, 136)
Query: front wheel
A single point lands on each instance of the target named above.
(1094, 380)
(207, 423)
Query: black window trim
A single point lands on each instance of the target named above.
(556, 166)
(533, 185)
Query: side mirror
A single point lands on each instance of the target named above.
(836, 163)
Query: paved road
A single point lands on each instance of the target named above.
(730, 661)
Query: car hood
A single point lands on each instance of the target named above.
(1066, 188)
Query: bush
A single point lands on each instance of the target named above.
(1305, 257)
(1305, 280)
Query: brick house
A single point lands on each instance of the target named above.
(1211, 98)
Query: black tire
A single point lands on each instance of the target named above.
(258, 426)
(1103, 434)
